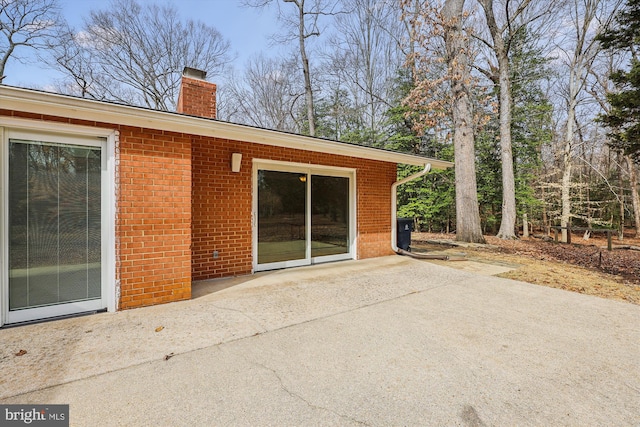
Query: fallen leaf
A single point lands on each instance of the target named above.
(168, 356)
(21, 353)
(159, 328)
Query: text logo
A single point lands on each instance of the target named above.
(34, 415)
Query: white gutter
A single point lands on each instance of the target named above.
(394, 201)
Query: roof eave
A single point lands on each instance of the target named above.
(36, 102)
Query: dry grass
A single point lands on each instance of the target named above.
(537, 264)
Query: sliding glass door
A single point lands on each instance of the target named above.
(304, 216)
(329, 215)
(282, 222)
(54, 234)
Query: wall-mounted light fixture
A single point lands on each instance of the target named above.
(236, 159)
(303, 178)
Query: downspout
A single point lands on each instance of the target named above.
(394, 213)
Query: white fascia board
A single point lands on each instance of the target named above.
(37, 102)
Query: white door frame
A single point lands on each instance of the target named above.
(309, 170)
(107, 139)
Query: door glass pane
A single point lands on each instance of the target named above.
(281, 216)
(54, 224)
(329, 215)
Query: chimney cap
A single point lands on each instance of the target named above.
(194, 73)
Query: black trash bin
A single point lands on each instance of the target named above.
(405, 226)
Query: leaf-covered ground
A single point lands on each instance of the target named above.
(584, 266)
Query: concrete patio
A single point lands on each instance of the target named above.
(386, 341)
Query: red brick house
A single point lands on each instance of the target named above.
(106, 206)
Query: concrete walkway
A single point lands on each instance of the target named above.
(387, 341)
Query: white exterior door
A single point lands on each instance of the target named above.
(302, 215)
(56, 213)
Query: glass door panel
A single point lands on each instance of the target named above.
(329, 215)
(282, 222)
(54, 224)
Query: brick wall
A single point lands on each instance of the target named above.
(154, 217)
(222, 200)
(178, 201)
(153, 223)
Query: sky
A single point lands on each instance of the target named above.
(247, 30)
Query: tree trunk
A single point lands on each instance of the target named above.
(308, 89)
(508, 222)
(507, 225)
(468, 227)
(621, 227)
(566, 186)
(5, 58)
(621, 204)
(567, 159)
(582, 57)
(545, 217)
(635, 198)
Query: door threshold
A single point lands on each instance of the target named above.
(51, 319)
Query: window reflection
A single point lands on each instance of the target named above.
(281, 216)
(54, 223)
(329, 215)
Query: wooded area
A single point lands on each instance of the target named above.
(537, 102)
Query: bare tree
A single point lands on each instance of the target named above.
(303, 35)
(635, 198)
(503, 24)
(266, 95)
(579, 50)
(25, 24)
(365, 58)
(71, 54)
(135, 53)
(442, 94)
(468, 227)
(599, 87)
(301, 24)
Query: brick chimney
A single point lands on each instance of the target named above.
(197, 96)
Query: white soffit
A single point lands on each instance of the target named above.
(36, 102)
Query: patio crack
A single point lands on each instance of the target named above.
(260, 326)
(301, 398)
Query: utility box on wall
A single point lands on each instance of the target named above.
(405, 226)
